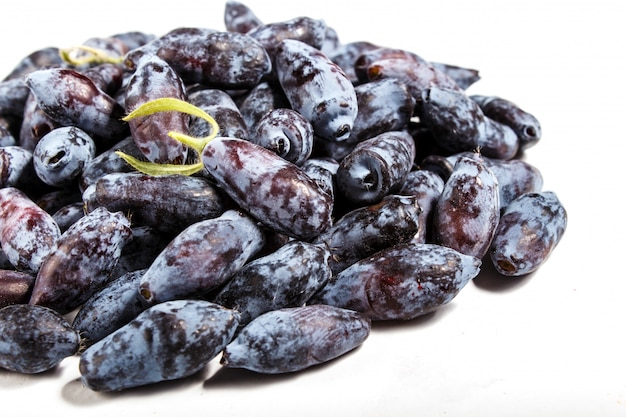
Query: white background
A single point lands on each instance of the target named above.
(549, 344)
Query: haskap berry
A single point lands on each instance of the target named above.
(293, 189)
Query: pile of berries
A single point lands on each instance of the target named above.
(264, 192)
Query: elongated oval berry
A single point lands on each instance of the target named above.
(167, 203)
(317, 88)
(284, 278)
(468, 210)
(530, 228)
(401, 282)
(274, 191)
(366, 230)
(171, 340)
(292, 339)
(82, 261)
(153, 78)
(27, 232)
(525, 125)
(34, 339)
(376, 167)
(201, 257)
(71, 98)
(227, 60)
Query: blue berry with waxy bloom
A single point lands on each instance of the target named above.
(34, 339)
(168, 341)
(296, 338)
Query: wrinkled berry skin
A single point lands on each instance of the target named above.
(426, 187)
(530, 228)
(468, 210)
(383, 105)
(34, 339)
(15, 287)
(401, 282)
(113, 306)
(366, 230)
(27, 232)
(239, 18)
(60, 156)
(292, 339)
(201, 257)
(376, 167)
(287, 133)
(172, 340)
(274, 191)
(71, 98)
(168, 203)
(525, 125)
(317, 88)
(287, 277)
(153, 78)
(82, 261)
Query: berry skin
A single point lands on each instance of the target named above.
(401, 282)
(292, 339)
(34, 339)
(530, 228)
(317, 88)
(82, 261)
(273, 190)
(468, 210)
(27, 232)
(201, 257)
(172, 340)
